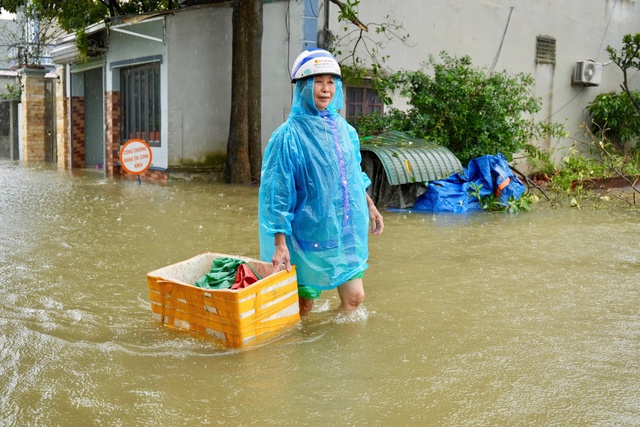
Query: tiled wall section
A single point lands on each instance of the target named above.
(151, 176)
(33, 135)
(77, 132)
(62, 117)
(114, 116)
(114, 140)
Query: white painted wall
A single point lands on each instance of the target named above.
(582, 30)
(196, 56)
(196, 65)
(129, 50)
(281, 44)
(199, 72)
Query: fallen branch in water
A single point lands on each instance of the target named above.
(531, 182)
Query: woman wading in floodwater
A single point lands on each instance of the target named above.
(314, 210)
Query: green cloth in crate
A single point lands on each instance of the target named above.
(222, 274)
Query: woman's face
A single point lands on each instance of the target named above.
(323, 90)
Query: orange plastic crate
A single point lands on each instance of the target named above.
(233, 317)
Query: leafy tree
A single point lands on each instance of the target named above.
(361, 55)
(463, 108)
(627, 58)
(28, 41)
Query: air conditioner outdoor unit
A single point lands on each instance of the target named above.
(587, 73)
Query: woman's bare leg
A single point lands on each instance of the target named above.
(351, 294)
(305, 306)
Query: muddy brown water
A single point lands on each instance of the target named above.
(479, 319)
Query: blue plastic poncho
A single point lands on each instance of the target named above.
(313, 190)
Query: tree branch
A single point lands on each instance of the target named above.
(348, 13)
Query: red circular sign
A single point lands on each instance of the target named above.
(135, 156)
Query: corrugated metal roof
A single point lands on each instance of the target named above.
(406, 159)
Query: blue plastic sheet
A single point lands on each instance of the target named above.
(454, 194)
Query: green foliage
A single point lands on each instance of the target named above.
(349, 11)
(629, 55)
(13, 93)
(375, 124)
(596, 159)
(11, 5)
(359, 52)
(540, 162)
(575, 169)
(76, 15)
(627, 58)
(615, 117)
(28, 42)
(463, 108)
(493, 203)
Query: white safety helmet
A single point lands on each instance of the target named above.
(313, 62)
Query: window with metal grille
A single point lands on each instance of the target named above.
(140, 96)
(545, 50)
(362, 101)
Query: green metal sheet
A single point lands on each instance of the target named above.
(406, 159)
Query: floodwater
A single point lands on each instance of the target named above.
(470, 320)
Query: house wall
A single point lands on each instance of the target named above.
(282, 41)
(195, 75)
(129, 50)
(194, 50)
(582, 30)
(199, 71)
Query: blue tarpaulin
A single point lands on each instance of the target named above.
(454, 193)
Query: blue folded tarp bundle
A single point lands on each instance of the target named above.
(453, 194)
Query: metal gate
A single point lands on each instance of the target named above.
(50, 146)
(9, 130)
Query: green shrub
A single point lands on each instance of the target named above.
(615, 118)
(462, 108)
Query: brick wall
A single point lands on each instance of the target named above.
(114, 141)
(151, 176)
(33, 108)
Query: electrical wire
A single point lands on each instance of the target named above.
(504, 34)
(606, 30)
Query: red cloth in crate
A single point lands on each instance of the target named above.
(244, 277)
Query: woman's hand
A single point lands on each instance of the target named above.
(281, 254)
(376, 222)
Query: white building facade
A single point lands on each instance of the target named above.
(183, 60)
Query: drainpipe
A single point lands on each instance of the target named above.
(325, 40)
(326, 16)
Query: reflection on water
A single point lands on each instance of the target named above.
(479, 319)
